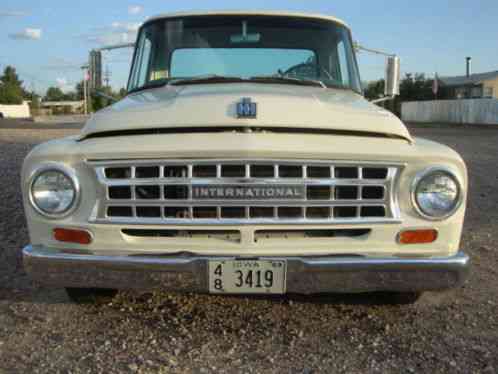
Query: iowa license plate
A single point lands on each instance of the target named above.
(247, 276)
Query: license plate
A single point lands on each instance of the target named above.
(247, 276)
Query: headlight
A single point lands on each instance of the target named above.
(53, 191)
(437, 193)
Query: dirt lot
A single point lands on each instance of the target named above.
(457, 331)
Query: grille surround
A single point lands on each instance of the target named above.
(337, 206)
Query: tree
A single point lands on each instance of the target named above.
(100, 102)
(35, 104)
(70, 96)
(79, 91)
(11, 91)
(416, 87)
(54, 94)
(413, 87)
(10, 94)
(35, 101)
(122, 93)
(375, 90)
(10, 76)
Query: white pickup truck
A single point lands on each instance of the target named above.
(245, 160)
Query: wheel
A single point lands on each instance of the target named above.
(404, 298)
(1, 115)
(91, 295)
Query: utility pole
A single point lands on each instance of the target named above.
(435, 86)
(85, 95)
(33, 89)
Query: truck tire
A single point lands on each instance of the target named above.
(1, 115)
(91, 295)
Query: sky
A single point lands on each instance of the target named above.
(48, 41)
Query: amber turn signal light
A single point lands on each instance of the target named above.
(72, 236)
(417, 236)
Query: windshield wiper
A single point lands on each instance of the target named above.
(289, 80)
(212, 78)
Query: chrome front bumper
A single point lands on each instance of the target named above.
(305, 275)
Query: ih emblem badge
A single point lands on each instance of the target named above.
(246, 108)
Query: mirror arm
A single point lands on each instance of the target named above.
(359, 47)
(382, 99)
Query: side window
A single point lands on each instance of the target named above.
(343, 63)
(140, 74)
(143, 75)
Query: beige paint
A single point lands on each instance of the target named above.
(214, 105)
(491, 84)
(278, 106)
(109, 239)
(249, 13)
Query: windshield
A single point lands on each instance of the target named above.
(251, 48)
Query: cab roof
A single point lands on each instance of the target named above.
(247, 13)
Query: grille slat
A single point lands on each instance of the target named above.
(161, 191)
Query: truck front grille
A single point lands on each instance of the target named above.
(245, 192)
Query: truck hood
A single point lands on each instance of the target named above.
(214, 105)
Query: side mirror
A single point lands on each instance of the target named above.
(392, 76)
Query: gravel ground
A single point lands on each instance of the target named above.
(456, 331)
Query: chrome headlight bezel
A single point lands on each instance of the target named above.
(69, 174)
(425, 173)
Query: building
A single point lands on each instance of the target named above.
(15, 111)
(63, 107)
(471, 86)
